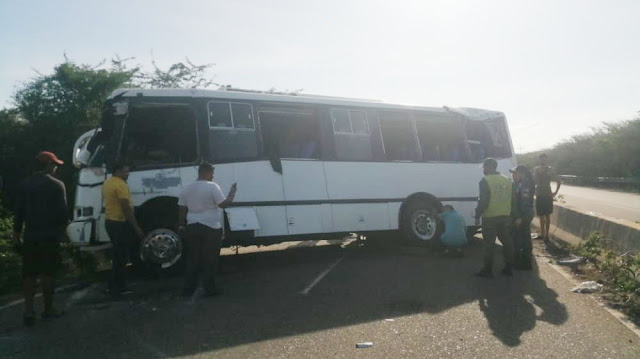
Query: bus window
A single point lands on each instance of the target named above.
(232, 134)
(159, 134)
(442, 139)
(488, 138)
(398, 136)
(351, 135)
(290, 134)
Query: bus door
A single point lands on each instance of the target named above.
(233, 143)
(293, 136)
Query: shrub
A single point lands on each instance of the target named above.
(10, 267)
(618, 272)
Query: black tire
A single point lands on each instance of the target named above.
(420, 224)
(161, 248)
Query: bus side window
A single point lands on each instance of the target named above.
(398, 136)
(351, 135)
(442, 139)
(290, 134)
(232, 134)
(488, 138)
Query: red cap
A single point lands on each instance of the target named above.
(47, 157)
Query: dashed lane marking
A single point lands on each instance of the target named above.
(306, 290)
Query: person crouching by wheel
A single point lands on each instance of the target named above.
(455, 231)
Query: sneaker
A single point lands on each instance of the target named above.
(29, 320)
(484, 274)
(53, 314)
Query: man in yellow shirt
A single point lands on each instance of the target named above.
(119, 222)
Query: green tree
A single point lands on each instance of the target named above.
(179, 75)
(609, 151)
(52, 110)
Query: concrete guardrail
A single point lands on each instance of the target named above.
(572, 225)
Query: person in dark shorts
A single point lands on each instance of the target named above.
(542, 176)
(522, 214)
(41, 208)
(200, 223)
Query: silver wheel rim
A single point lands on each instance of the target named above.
(423, 224)
(161, 246)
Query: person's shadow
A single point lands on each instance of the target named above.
(509, 304)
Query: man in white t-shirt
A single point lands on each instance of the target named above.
(201, 220)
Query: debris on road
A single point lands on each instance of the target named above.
(571, 261)
(588, 287)
(389, 320)
(364, 345)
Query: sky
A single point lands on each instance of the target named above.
(555, 68)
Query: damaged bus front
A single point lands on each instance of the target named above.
(159, 140)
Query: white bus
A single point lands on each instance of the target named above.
(306, 166)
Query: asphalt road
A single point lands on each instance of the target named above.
(614, 204)
(408, 302)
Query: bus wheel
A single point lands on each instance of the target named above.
(161, 249)
(421, 225)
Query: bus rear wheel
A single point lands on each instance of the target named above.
(420, 224)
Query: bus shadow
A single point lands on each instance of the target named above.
(262, 302)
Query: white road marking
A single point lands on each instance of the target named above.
(16, 302)
(320, 276)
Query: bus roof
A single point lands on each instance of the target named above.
(239, 94)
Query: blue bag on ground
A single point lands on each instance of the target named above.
(455, 229)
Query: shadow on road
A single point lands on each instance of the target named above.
(511, 310)
(262, 301)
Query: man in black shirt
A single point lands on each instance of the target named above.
(41, 207)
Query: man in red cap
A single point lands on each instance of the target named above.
(41, 207)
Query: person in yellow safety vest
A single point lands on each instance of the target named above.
(494, 206)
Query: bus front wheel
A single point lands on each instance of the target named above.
(161, 248)
(420, 224)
